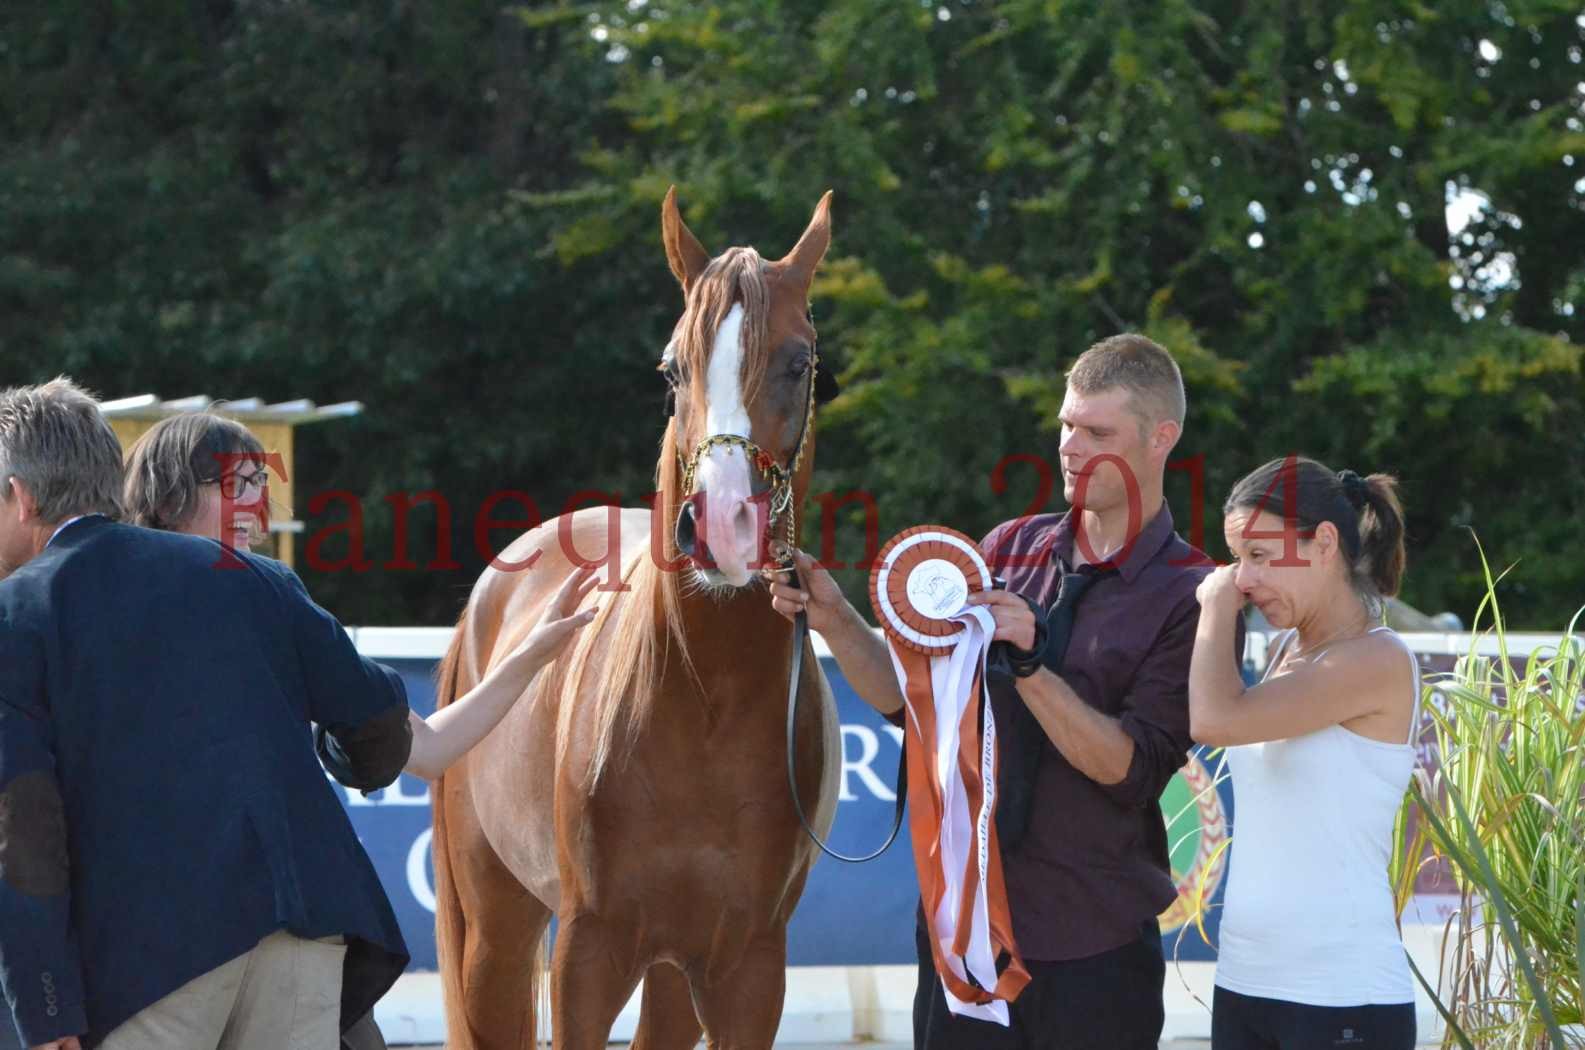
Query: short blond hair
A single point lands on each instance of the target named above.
(1138, 365)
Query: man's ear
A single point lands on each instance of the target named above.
(19, 500)
(1165, 437)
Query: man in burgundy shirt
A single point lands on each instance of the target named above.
(1093, 730)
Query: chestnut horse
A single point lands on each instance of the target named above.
(639, 790)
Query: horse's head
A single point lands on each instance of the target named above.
(744, 377)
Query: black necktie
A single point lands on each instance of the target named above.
(1059, 618)
(1023, 741)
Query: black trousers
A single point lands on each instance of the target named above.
(1110, 1001)
(1246, 1022)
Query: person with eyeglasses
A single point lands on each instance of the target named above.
(174, 869)
(188, 472)
(205, 475)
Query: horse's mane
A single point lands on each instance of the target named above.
(649, 617)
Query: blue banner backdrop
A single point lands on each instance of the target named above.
(850, 915)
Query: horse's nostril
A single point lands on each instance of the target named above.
(687, 529)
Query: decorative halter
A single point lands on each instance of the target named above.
(783, 514)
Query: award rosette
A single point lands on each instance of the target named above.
(919, 589)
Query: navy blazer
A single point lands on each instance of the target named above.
(161, 806)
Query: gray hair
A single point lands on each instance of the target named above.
(54, 440)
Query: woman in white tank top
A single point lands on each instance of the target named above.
(1320, 753)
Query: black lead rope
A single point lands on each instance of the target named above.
(801, 635)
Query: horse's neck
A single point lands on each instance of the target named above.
(741, 636)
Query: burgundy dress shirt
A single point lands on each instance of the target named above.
(1093, 865)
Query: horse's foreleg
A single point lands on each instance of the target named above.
(500, 968)
(499, 960)
(742, 1010)
(666, 1020)
(592, 976)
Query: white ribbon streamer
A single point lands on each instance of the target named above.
(963, 835)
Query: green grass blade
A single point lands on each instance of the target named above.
(1579, 934)
(1499, 901)
(1452, 1025)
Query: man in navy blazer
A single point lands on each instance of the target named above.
(162, 812)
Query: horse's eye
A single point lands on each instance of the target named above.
(668, 370)
(799, 367)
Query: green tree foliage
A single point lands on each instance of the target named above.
(450, 211)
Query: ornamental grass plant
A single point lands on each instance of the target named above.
(1502, 806)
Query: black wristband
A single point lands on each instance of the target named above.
(1025, 662)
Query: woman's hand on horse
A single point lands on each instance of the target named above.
(1015, 623)
(817, 594)
(557, 624)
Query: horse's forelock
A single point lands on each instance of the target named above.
(735, 277)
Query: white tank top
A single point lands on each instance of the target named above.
(1308, 914)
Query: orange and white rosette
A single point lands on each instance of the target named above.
(919, 589)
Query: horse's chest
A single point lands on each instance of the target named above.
(711, 819)
(702, 813)
(704, 846)
(726, 807)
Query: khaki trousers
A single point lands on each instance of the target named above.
(284, 994)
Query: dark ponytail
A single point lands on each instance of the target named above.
(1381, 541)
(1365, 511)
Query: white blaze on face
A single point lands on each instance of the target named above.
(729, 521)
(726, 413)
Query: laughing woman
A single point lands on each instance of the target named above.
(189, 472)
(1320, 752)
(205, 475)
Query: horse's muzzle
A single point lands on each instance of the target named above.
(729, 544)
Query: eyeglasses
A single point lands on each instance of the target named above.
(234, 484)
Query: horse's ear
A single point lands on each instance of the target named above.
(684, 253)
(811, 247)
